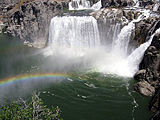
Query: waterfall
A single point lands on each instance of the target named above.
(79, 5)
(97, 5)
(83, 4)
(120, 45)
(136, 56)
(155, 7)
(74, 32)
(136, 3)
(77, 39)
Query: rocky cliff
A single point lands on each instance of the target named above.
(117, 3)
(149, 74)
(30, 20)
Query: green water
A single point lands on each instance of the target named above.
(82, 96)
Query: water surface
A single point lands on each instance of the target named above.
(83, 95)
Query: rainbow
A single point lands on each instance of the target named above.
(25, 77)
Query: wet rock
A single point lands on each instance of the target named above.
(151, 64)
(145, 28)
(145, 88)
(152, 55)
(140, 75)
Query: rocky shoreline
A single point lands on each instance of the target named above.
(29, 21)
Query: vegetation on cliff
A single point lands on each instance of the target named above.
(33, 110)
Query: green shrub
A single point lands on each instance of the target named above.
(33, 110)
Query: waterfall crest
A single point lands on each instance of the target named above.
(74, 32)
(84, 4)
(79, 4)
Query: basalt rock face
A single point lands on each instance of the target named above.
(150, 65)
(145, 28)
(7, 2)
(93, 2)
(155, 105)
(117, 3)
(30, 21)
(150, 73)
(145, 3)
(118, 14)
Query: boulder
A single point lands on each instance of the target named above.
(145, 88)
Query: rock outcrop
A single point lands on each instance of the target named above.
(117, 3)
(155, 105)
(145, 28)
(149, 75)
(30, 21)
(145, 88)
(118, 14)
(150, 65)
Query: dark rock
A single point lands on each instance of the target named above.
(144, 29)
(156, 116)
(145, 88)
(118, 14)
(140, 75)
(151, 64)
(155, 105)
(30, 22)
(145, 3)
(93, 2)
(151, 56)
(117, 3)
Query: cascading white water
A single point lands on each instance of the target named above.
(79, 4)
(77, 39)
(116, 62)
(136, 3)
(136, 56)
(83, 4)
(156, 6)
(97, 5)
(120, 45)
(74, 32)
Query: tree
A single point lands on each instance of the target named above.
(33, 110)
